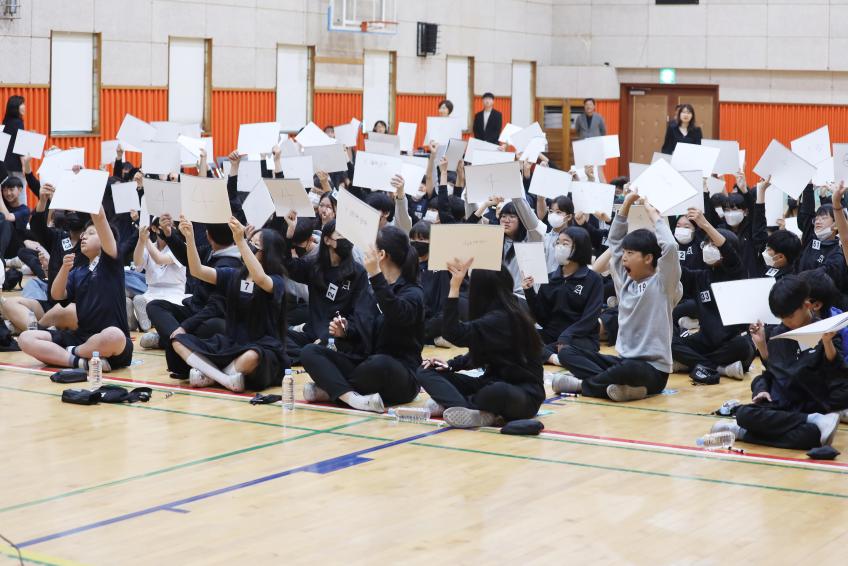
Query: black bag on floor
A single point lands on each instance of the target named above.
(69, 376)
(13, 279)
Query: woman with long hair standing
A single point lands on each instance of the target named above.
(13, 120)
(683, 129)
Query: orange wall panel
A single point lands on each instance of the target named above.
(416, 108)
(502, 105)
(231, 108)
(336, 108)
(609, 110)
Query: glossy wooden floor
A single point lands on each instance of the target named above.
(203, 477)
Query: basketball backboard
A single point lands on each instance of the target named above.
(363, 16)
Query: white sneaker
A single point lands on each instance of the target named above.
(461, 417)
(623, 393)
(566, 383)
(440, 342)
(733, 371)
(827, 425)
(727, 425)
(197, 379)
(374, 403)
(435, 409)
(149, 340)
(140, 304)
(688, 323)
(233, 382)
(14, 262)
(314, 394)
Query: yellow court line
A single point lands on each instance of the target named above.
(37, 557)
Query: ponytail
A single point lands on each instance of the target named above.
(395, 243)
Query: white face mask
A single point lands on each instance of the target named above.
(432, 215)
(418, 195)
(556, 220)
(720, 212)
(562, 253)
(824, 233)
(711, 254)
(768, 258)
(734, 217)
(683, 235)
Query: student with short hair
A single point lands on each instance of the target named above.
(13, 218)
(387, 375)
(568, 305)
(782, 251)
(646, 272)
(97, 290)
(791, 406)
(500, 339)
(445, 108)
(821, 249)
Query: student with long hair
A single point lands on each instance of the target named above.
(250, 354)
(387, 375)
(338, 288)
(683, 129)
(501, 339)
(13, 120)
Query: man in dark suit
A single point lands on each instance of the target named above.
(488, 122)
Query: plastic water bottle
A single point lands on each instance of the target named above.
(331, 344)
(95, 371)
(288, 391)
(32, 322)
(717, 441)
(410, 414)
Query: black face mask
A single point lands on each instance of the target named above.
(300, 251)
(252, 248)
(423, 248)
(344, 248)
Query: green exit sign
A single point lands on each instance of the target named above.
(668, 76)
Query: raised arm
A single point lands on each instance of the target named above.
(839, 214)
(59, 289)
(402, 218)
(138, 252)
(197, 269)
(254, 268)
(108, 244)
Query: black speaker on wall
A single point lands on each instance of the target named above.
(428, 37)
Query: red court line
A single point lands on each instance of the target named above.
(609, 439)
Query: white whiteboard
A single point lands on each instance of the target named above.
(186, 79)
(522, 94)
(293, 91)
(457, 88)
(71, 82)
(376, 75)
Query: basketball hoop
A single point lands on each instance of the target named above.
(378, 26)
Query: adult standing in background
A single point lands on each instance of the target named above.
(488, 123)
(683, 129)
(445, 108)
(589, 124)
(13, 121)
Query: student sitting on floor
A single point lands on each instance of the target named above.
(99, 294)
(646, 272)
(501, 339)
(568, 306)
(782, 251)
(821, 251)
(791, 406)
(716, 349)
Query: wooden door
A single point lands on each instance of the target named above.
(650, 114)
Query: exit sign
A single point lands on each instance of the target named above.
(668, 76)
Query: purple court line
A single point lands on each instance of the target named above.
(322, 467)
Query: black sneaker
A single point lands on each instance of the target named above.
(703, 375)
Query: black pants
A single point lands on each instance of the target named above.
(10, 241)
(774, 427)
(599, 371)
(582, 343)
(337, 374)
(295, 341)
(166, 317)
(686, 307)
(693, 350)
(512, 402)
(30, 258)
(297, 312)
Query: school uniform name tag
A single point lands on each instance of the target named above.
(816, 244)
(681, 255)
(705, 297)
(772, 272)
(332, 289)
(246, 287)
(66, 244)
(640, 288)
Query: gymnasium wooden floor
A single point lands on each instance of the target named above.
(203, 477)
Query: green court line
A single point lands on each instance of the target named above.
(634, 471)
(183, 465)
(14, 556)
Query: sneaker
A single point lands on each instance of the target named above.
(734, 371)
(375, 403)
(726, 425)
(461, 417)
(623, 393)
(314, 394)
(140, 304)
(234, 382)
(688, 323)
(197, 379)
(149, 340)
(131, 320)
(566, 383)
(843, 415)
(827, 425)
(440, 342)
(703, 375)
(14, 262)
(435, 409)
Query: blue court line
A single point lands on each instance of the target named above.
(322, 467)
